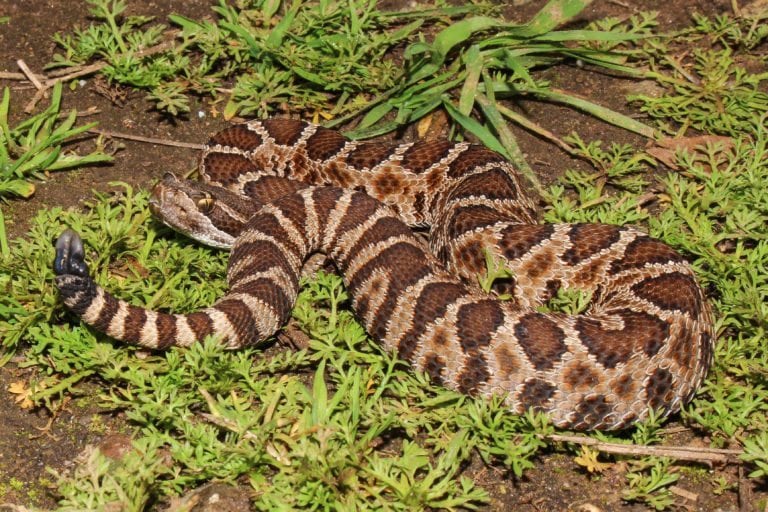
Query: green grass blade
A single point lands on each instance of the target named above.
(186, 24)
(603, 113)
(5, 133)
(475, 128)
(252, 44)
(460, 32)
(374, 131)
(5, 251)
(375, 115)
(615, 62)
(277, 35)
(552, 15)
(519, 67)
(474, 65)
(533, 127)
(444, 42)
(507, 139)
(586, 35)
(17, 187)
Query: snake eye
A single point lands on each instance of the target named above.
(205, 203)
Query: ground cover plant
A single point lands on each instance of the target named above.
(35, 145)
(341, 424)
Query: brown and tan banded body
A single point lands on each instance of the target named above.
(645, 342)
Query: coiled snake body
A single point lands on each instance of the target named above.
(644, 343)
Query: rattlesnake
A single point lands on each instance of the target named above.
(646, 341)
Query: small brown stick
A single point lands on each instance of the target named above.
(40, 94)
(674, 430)
(61, 75)
(745, 493)
(10, 75)
(67, 74)
(29, 75)
(684, 493)
(709, 455)
(622, 4)
(228, 425)
(41, 89)
(149, 140)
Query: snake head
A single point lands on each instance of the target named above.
(211, 215)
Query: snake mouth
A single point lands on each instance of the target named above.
(160, 195)
(154, 206)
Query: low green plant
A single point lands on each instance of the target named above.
(495, 270)
(714, 94)
(35, 146)
(99, 482)
(744, 32)
(649, 483)
(756, 452)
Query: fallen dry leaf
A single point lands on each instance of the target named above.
(588, 460)
(423, 126)
(22, 392)
(665, 150)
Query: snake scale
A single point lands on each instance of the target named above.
(645, 342)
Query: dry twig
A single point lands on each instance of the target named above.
(149, 140)
(690, 453)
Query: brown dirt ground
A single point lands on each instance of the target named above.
(27, 448)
